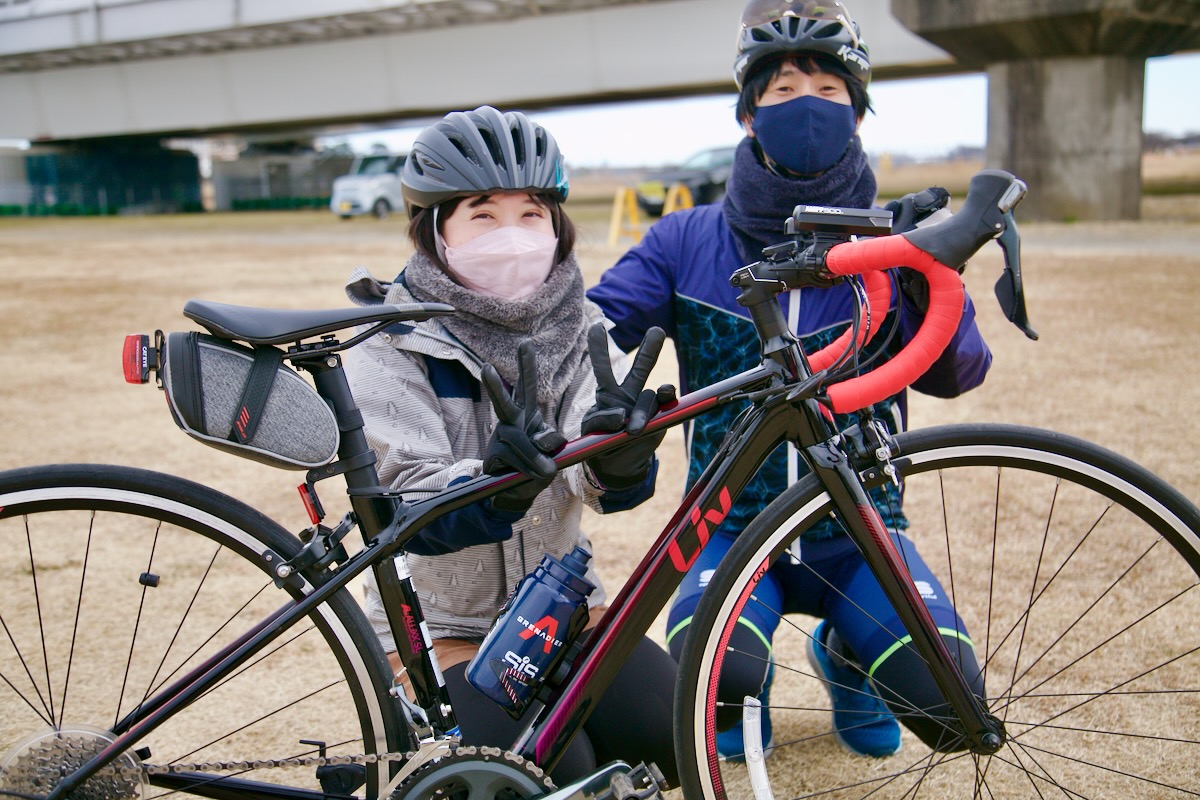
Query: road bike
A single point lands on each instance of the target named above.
(161, 637)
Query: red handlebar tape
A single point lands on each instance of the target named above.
(879, 297)
(941, 320)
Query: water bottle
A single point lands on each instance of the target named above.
(532, 632)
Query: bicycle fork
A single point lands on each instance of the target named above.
(983, 732)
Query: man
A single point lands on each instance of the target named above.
(802, 72)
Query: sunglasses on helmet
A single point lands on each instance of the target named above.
(763, 12)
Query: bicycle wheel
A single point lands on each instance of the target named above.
(119, 581)
(1075, 572)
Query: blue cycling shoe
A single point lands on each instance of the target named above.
(730, 742)
(861, 722)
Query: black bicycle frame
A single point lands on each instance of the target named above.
(386, 523)
(790, 414)
(784, 410)
(649, 588)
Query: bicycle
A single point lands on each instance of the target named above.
(242, 667)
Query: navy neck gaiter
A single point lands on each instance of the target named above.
(758, 201)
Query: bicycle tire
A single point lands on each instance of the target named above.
(1074, 570)
(122, 579)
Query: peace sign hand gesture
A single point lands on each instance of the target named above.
(522, 440)
(626, 406)
(629, 405)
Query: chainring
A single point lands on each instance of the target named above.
(476, 773)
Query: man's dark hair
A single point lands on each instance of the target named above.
(808, 63)
(420, 228)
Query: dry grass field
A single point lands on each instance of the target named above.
(1115, 304)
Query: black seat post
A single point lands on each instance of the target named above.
(375, 507)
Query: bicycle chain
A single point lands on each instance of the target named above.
(320, 761)
(39, 768)
(270, 763)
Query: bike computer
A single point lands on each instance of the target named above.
(845, 221)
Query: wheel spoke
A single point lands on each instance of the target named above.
(1079, 618)
(1042, 775)
(1111, 770)
(209, 640)
(784, 620)
(251, 723)
(179, 627)
(1102, 731)
(1033, 582)
(133, 634)
(41, 712)
(87, 552)
(1064, 563)
(109, 636)
(1107, 641)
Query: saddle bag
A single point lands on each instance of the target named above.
(244, 400)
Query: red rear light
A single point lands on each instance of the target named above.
(136, 358)
(312, 504)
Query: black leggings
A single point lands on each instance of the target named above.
(631, 723)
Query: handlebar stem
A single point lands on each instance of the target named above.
(759, 296)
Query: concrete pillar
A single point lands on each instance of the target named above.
(1072, 129)
(1065, 85)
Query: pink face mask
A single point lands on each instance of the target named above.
(509, 262)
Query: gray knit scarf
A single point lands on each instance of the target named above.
(492, 327)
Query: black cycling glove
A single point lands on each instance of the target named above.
(626, 406)
(907, 211)
(913, 207)
(522, 440)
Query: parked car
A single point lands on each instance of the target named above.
(371, 187)
(704, 174)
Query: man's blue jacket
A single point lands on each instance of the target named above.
(677, 278)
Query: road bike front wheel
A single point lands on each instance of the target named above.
(1075, 572)
(117, 583)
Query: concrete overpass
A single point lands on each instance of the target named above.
(72, 69)
(1065, 90)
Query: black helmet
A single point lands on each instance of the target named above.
(779, 27)
(477, 152)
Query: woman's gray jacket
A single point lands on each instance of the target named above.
(429, 421)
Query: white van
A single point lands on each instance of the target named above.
(371, 187)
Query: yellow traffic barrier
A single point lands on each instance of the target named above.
(625, 221)
(678, 196)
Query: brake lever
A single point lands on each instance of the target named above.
(1010, 290)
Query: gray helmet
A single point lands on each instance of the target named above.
(779, 27)
(478, 152)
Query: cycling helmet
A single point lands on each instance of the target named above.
(778, 27)
(481, 151)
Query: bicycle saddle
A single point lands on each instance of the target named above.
(281, 326)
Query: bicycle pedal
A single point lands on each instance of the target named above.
(616, 781)
(643, 782)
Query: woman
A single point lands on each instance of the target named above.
(484, 192)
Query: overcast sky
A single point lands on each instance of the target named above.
(924, 117)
